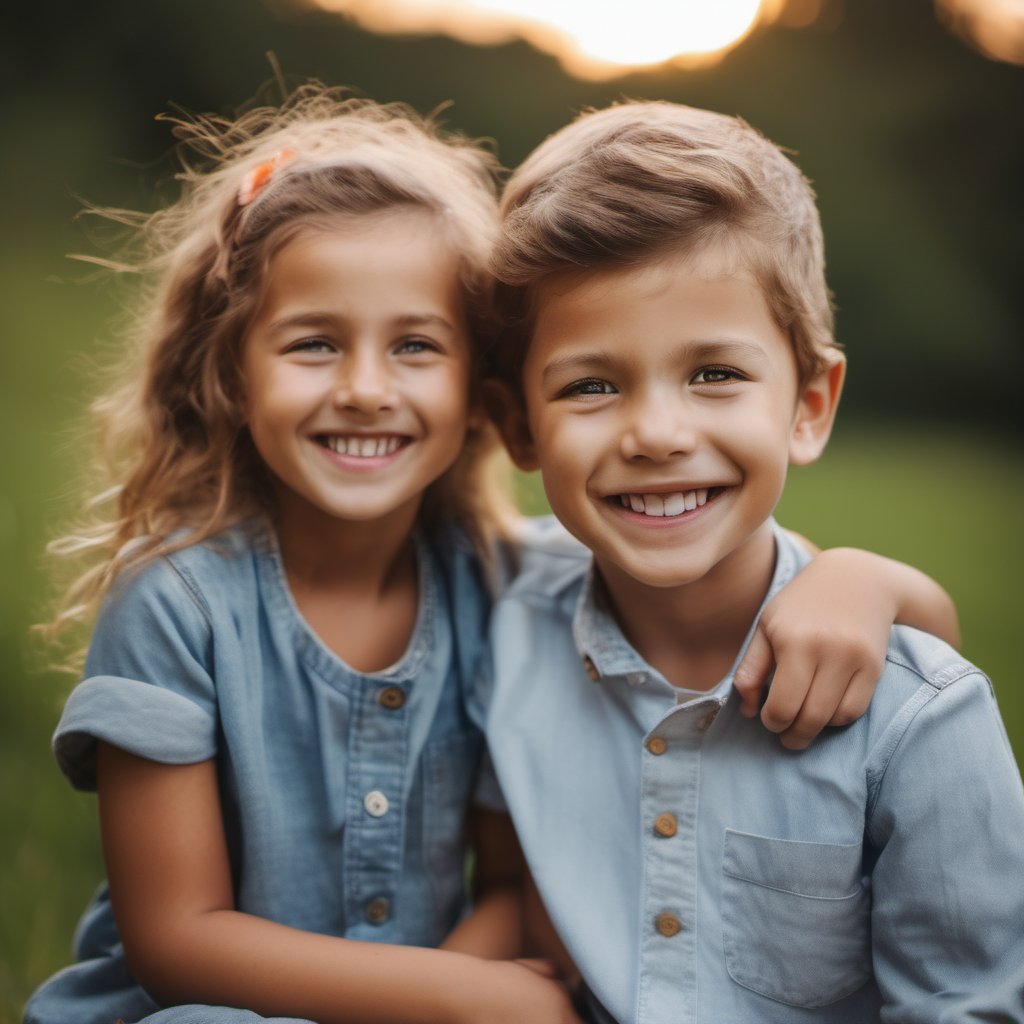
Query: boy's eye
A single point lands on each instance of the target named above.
(587, 386)
(716, 375)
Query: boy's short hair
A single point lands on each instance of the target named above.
(621, 186)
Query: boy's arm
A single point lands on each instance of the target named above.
(172, 895)
(827, 632)
(946, 825)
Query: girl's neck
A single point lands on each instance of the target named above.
(355, 583)
(322, 551)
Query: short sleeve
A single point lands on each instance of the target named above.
(148, 684)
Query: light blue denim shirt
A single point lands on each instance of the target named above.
(344, 793)
(698, 871)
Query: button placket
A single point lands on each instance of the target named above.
(375, 826)
(670, 779)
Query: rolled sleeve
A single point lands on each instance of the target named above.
(149, 686)
(143, 719)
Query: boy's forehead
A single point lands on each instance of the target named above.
(649, 277)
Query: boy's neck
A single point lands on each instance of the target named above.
(692, 633)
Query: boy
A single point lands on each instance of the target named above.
(670, 353)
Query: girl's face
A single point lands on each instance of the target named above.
(357, 367)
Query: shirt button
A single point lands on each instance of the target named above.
(391, 697)
(376, 803)
(668, 924)
(378, 910)
(657, 745)
(665, 825)
(590, 668)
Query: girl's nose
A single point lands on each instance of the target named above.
(365, 384)
(658, 426)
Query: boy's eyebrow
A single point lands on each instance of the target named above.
(724, 348)
(591, 360)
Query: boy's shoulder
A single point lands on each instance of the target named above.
(918, 669)
(544, 562)
(925, 658)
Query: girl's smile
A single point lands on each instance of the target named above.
(357, 367)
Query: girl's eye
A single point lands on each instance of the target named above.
(414, 346)
(587, 386)
(311, 345)
(716, 375)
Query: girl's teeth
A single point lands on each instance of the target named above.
(654, 505)
(364, 447)
(662, 505)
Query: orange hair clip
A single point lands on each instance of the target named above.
(261, 175)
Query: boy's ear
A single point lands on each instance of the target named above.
(505, 407)
(816, 412)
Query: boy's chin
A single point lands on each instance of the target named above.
(653, 573)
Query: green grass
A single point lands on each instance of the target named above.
(947, 501)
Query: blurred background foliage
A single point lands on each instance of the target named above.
(915, 145)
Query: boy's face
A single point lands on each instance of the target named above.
(662, 408)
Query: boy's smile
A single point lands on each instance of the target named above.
(662, 405)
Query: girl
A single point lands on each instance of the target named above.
(274, 702)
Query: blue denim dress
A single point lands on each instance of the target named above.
(352, 787)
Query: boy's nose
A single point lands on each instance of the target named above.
(658, 427)
(365, 384)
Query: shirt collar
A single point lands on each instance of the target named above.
(607, 654)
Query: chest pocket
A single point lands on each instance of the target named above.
(795, 918)
(450, 767)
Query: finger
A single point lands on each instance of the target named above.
(545, 968)
(856, 699)
(828, 686)
(793, 675)
(752, 673)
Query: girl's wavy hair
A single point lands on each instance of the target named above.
(178, 463)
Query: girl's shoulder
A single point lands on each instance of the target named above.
(185, 591)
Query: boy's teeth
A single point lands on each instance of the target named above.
(675, 504)
(661, 505)
(363, 447)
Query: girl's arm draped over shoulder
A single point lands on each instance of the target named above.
(171, 890)
(826, 633)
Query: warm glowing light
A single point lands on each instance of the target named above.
(995, 27)
(592, 38)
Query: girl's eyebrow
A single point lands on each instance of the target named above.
(316, 318)
(423, 320)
